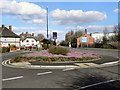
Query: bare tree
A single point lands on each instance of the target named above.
(40, 36)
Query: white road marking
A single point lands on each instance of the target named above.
(110, 63)
(44, 73)
(13, 78)
(97, 84)
(68, 69)
(5, 62)
(60, 66)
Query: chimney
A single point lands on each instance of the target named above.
(3, 26)
(26, 32)
(32, 34)
(85, 31)
(10, 28)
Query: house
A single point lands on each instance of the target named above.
(89, 42)
(29, 41)
(8, 37)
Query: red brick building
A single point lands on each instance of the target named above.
(90, 42)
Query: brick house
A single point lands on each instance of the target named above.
(90, 42)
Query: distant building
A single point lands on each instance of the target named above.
(89, 43)
(99, 36)
(8, 37)
(28, 41)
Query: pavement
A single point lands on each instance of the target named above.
(56, 78)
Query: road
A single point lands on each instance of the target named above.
(56, 78)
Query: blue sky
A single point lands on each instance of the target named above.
(63, 17)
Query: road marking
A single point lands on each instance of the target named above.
(68, 69)
(5, 62)
(44, 73)
(81, 64)
(97, 84)
(13, 78)
(110, 63)
(90, 64)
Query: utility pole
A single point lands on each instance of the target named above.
(47, 25)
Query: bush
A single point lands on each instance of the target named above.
(98, 45)
(58, 50)
(44, 46)
(108, 46)
(50, 59)
(16, 59)
(8, 49)
(3, 49)
(116, 44)
(12, 45)
(19, 59)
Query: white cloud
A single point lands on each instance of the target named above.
(26, 12)
(92, 28)
(44, 31)
(116, 10)
(75, 17)
(19, 30)
(60, 34)
(23, 29)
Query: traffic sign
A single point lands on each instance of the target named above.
(54, 35)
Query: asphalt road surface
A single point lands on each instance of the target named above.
(57, 78)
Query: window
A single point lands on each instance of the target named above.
(27, 41)
(32, 40)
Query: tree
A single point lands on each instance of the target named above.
(78, 34)
(69, 36)
(105, 40)
(40, 36)
(115, 29)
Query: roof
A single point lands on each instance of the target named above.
(5, 32)
(86, 35)
(25, 36)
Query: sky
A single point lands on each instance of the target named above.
(63, 16)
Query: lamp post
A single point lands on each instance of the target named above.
(47, 25)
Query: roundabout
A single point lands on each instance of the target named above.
(60, 65)
(35, 76)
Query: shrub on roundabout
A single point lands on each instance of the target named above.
(58, 50)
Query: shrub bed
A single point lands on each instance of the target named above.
(45, 56)
(50, 59)
(58, 50)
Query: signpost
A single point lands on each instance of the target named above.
(84, 40)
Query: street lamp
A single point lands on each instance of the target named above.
(47, 25)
